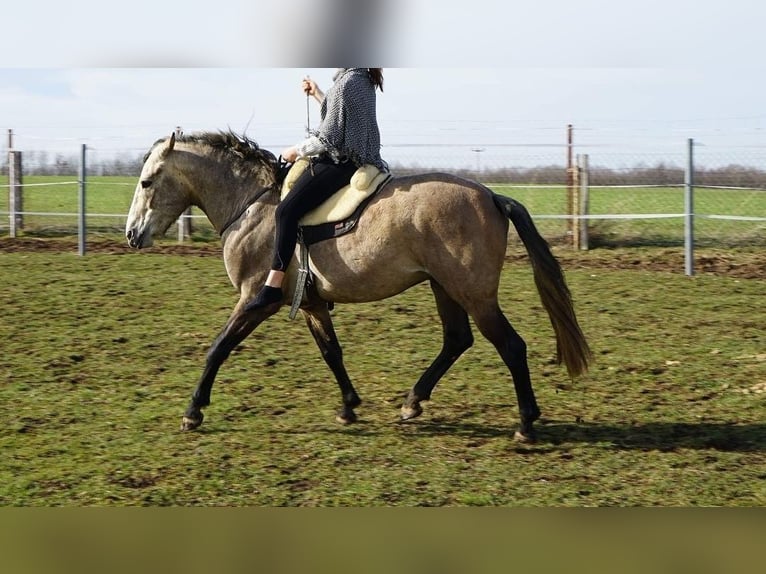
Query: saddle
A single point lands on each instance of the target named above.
(339, 214)
(335, 217)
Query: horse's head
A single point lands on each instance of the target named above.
(159, 198)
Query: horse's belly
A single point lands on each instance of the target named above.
(363, 275)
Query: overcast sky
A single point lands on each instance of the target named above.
(644, 74)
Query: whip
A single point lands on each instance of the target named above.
(308, 108)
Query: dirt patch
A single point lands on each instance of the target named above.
(742, 264)
(38, 245)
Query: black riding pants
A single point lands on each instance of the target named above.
(308, 192)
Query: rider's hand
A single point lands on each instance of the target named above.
(309, 87)
(290, 154)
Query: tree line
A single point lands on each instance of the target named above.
(36, 162)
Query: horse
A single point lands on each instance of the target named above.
(435, 227)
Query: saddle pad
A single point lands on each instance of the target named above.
(342, 203)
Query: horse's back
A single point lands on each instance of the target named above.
(437, 182)
(446, 207)
(426, 226)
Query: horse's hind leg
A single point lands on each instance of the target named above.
(457, 339)
(513, 350)
(320, 324)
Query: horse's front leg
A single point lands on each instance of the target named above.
(237, 328)
(320, 324)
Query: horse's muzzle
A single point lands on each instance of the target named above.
(137, 239)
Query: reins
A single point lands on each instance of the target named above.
(252, 200)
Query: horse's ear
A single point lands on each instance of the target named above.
(169, 146)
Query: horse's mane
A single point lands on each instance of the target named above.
(245, 154)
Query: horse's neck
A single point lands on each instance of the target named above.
(224, 198)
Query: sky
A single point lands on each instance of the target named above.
(633, 79)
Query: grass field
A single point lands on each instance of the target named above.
(651, 201)
(111, 196)
(101, 354)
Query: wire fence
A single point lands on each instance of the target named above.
(621, 198)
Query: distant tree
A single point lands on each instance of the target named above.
(65, 165)
(125, 164)
(42, 159)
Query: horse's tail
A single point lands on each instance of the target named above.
(571, 347)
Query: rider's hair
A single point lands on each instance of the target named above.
(376, 75)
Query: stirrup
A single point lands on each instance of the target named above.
(302, 280)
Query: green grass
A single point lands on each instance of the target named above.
(107, 201)
(106, 194)
(650, 200)
(101, 354)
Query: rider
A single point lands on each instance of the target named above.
(347, 138)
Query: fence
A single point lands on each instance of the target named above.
(693, 196)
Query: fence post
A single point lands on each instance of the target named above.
(575, 205)
(584, 207)
(571, 179)
(184, 225)
(689, 209)
(184, 220)
(15, 189)
(81, 204)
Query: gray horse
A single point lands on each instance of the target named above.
(433, 227)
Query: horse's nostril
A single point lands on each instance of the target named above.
(130, 234)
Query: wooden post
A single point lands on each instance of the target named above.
(15, 198)
(571, 176)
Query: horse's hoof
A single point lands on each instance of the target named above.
(528, 437)
(410, 412)
(191, 422)
(345, 417)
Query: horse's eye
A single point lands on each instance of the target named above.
(146, 183)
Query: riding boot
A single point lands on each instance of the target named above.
(266, 296)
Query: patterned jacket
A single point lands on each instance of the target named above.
(348, 128)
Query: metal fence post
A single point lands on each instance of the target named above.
(15, 197)
(584, 207)
(689, 209)
(184, 220)
(81, 204)
(575, 205)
